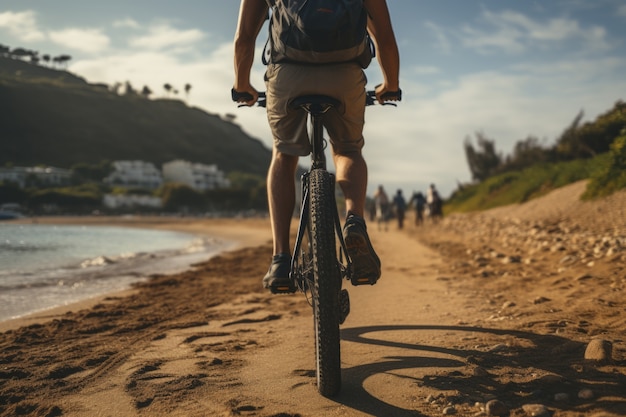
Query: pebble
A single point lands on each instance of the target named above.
(585, 394)
(536, 410)
(599, 350)
(449, 411)
(496, 408)
(561, 397)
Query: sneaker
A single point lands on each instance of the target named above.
(277, 278)
(365, 262)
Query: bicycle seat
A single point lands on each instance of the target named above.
(314, 102)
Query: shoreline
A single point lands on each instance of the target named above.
(223, 229)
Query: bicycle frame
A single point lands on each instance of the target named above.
(316, 106)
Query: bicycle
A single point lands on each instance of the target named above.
(317, 268)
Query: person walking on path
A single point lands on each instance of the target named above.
(381, 202)
(434, 203)
(419, 202)
(286, 79)
(399, 205)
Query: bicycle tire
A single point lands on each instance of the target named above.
(327, 282)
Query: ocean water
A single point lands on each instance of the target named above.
(45, 266)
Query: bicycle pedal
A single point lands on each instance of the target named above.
(282, 289)
(362, 281)
(344, 305)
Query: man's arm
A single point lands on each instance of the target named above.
(252, 14)
(379, 27)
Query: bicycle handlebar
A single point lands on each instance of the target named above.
(370, 98)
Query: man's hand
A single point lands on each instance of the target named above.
(383, 94)
(248, 96)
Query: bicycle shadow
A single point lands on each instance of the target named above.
(560, 358)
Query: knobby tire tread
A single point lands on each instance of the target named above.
(327, 283)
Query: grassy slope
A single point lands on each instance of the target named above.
(521, 186)
(55, 118)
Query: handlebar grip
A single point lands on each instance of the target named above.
(387, 98)
(237, 96)
(391, 95)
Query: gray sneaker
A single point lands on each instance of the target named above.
(365, 262)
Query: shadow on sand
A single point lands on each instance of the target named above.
(528, 368)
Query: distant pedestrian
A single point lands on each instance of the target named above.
(434, 202)
(399, 205)
(381, 202)
(419, 202)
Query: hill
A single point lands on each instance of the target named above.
(52, 117)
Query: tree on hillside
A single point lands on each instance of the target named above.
(168, 88)
(146, 92)
(62, 60)
(21, 53)
(187, 90)
(484, 161)
(597, 136)
(568, 145)
(128, 88)
(526, 153)
(4, 50)
(46, 58)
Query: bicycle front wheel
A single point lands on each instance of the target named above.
(327, 282)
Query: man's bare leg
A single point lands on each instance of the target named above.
(281, 198)
(352, 178)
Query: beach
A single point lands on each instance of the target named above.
(497, 312)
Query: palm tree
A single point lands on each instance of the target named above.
(168, 88)
(145, 91)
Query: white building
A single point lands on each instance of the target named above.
(133, 174)
(197, 176)
(116, 201)
(48, 176)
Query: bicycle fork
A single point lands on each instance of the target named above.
(301, 272)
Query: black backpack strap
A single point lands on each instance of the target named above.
(266, 57)
(267, 51)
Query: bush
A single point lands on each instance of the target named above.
(613, 175)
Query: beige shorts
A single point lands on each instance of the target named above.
(345, 82)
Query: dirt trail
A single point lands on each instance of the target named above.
(485, 314)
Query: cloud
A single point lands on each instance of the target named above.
(84, 40)
(513, 32)
(22, 25)
(163, 36)
(126, 23)
(441, 39)
(621, 10)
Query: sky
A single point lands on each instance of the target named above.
(507, 69)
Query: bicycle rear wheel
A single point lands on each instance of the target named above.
(327, 282)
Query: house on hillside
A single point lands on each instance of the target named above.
(121, 201)
(134, 174)
(38, 176)
(197, 176)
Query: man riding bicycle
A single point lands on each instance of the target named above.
(345, 81)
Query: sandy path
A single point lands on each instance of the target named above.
(450, 326)
(381, 357)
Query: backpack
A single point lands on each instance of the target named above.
(318, 32)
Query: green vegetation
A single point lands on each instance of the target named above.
(55, 118)
(612, 176)
(521, 186)
(594, 151)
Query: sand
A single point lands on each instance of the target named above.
(470, 317)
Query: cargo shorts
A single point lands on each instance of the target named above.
(344, 82)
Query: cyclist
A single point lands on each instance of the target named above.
(343, 81)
